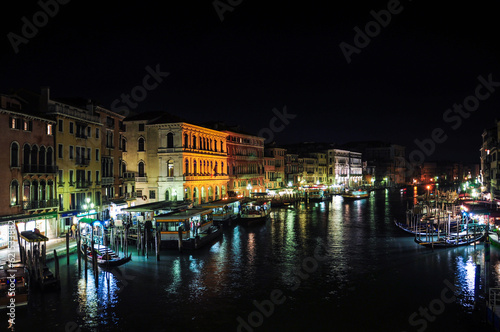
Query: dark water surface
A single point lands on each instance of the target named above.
(332, 266)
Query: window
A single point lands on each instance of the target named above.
(60, 176)
(141, 126)
(14, 155)
(89, 153)
(97, 154)
(27, 125)
(89, 132)
(60, 151)
(97, 133)
(186, 141)
(170, 171)
(96, 177)
(71, 128)
(71, 178)
(15, 123)
(152, 194)
(139, 192)
(141, 144)
(71, 152)
(14, 193)
(141, 169)
(170, 140)
(60, 125)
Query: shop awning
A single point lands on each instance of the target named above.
(157, 206)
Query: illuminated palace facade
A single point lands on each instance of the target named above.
(174, 160)
(246, 163)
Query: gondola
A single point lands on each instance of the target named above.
(105, 256)
(452, 240)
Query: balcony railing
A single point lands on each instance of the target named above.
(83, 184)
(82, 161)
(41, 204)
(130, 195)
(107, 181)
(141, 179)
(40, 169)
(166, 179)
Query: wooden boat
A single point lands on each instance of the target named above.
(451, 240)
(317, 195)
(105, 256)
(20, 292)
(421, 229)
(254, 210)
(224, 210)
(189, 229)
(356, 194)
(494, 238)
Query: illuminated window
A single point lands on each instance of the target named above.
(49, 129)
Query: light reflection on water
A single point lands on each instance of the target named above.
(370, 265)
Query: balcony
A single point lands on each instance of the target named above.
(205, 176)
(41, 204)
(47, 169)
(130, 195)
(83, 184)
(107, 181)
(82, 161)
(141, 179)
(166, 179)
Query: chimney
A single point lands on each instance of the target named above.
(44, 99)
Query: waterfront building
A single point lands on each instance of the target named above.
(270, 173)
(245, 157)
(78, 137)
(273, 151)
(292, 169)
(338, 167)
(490, 176)
(388, 159)
(28, 184)
(174, 160)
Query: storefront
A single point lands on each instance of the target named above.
(46, 223)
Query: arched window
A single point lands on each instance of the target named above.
(194, 142)
(215, 145)
(34, 155)
(26, 191)
(34, 191)
(170, 168)
(221, 146)
(194, 167)
(123, 168)
(170, 140)
(167, 195)
(186, 141)
(26, 156)
(215, 169)
(41, 159)
(141, 169)
(14, 155)
(14, 193)
(141, 144)
(222, 167)
(186, 165)
(50, 156)
(124, 144)
(200, 146)
(43, 190)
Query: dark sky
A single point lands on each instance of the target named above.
(264, 56)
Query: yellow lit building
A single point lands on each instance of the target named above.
(173, 160)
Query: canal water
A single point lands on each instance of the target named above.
(329, 266)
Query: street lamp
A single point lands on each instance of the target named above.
(249, 187)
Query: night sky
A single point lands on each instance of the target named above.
(262, 57)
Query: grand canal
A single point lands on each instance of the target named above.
(330, 266)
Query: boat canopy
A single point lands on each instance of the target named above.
(182, 215)
(31, 236)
